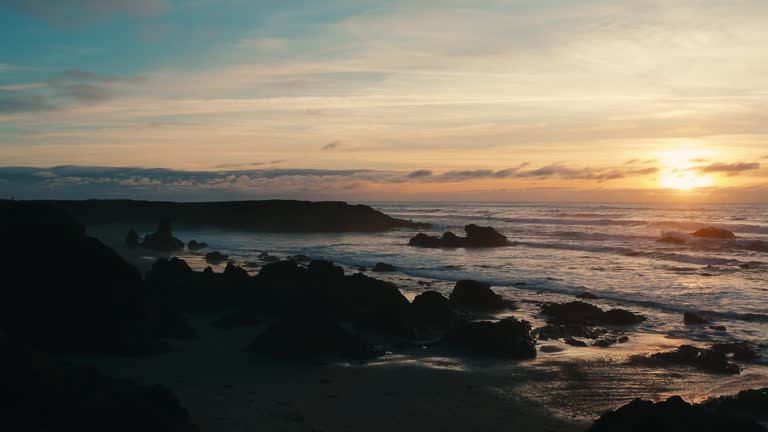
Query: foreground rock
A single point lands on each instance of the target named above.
(577, 312)
(85, 299)
(672, 415)
(264, 216)
(308, 337)
(508, 338)
(474, 295)
(432, 310)
(747, 403)
(477, 237)
(714, 233)
(40, 394)
(162, 239)
(706, 359)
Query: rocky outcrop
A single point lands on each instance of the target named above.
(692, 318)
(508, 338)
(474, 295)
(215, 257)
(714, 233)
(162, 239)
(672, 415)
(260, 216)
(383, 267)
(310, 336)
(477, 237)
(577, 312)
(194, 245)
(432, 310)
(706, 359)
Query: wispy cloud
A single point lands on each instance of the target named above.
(729, 169)
(420, 173)
(332, 145)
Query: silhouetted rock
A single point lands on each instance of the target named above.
(162, 239)
(671, 240)
(607, 341)
(270, 258)
(586, 296)
(375, 305)
(194, 245)
(575, 342)
(216, 257)
(743, 351)
(562, 331)
(40, 394)
(705, 359)
(431, 309)
(672, 415)
(306, 336)
(263, 216)
(477, 237)
(509, 338)
(383, 267)
(577, 312)
(300, 258)
(132, 239)
(470, 294)
(747, 404)
(84, 298)
(714, 233)
(691, 318)
(718, 327)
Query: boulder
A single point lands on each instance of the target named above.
(383, 267)
(310, 336)
(194, 245)
(374, 305)
(705, 359)
(162, 239)
(300, 258)
(692, 318)
(132, 239)
(216, 257)
(562, 331)
(586, 296)
(671, 415)
(477, 237)
(742, 351)
(607, 341)
(577, 312)
(431, 309)
(747, 403)
(470, 294)
(508, 338)
(714, 233)
(575, 342)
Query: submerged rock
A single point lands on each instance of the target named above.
(706, 359)
(692, 318)
(471, 294)
(714, 233)
(672, 415)
(672, 240)
(509, 338)
(577, 312)
(194, 245)
(162, 239)
(216, 257)
(477, 237)
(383, 267)
(586, 296)
(743, 351)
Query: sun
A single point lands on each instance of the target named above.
(678, 169)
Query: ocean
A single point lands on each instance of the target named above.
(558, 251)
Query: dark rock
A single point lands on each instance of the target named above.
(748, 404)
(577, 312)
(477, 237)
(586, 296)
(307, 337)
(691, 318)
(718, 327)
(132, 239)
(162, 239)
(562, 331)
(671, 240)
(714, 233)
(194, 245)
(270, 258)
(575, 342)
(470, 294)
(383, 267)
(431, 309)
(301, 258)
(550, 349)
(509, 338)
(743, 351)
(705, 359)
(375, 305)
(216, 257)
(672, 415)
(607, 341)
(81, 299)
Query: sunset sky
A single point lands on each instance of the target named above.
(451, 100)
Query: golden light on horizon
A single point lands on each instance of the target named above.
(678, 169)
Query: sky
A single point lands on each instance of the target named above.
(450, 100)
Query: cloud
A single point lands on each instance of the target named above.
(13, 102)
(252, 164)
(332, 145)
(64, 12)
(420, 173)
(729, 169)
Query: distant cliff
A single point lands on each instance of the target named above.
(265, 216)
